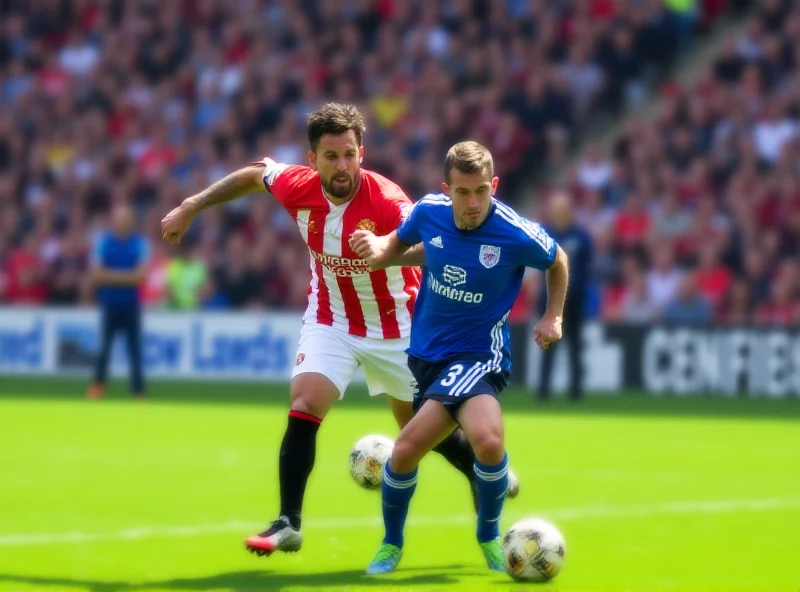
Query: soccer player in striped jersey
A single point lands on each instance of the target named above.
(355, 316)
(476, 251)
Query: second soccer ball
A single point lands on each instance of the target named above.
(367, 459)
(533, 550)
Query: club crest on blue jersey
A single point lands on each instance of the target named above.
(489, 256)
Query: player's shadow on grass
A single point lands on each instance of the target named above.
(266, 581)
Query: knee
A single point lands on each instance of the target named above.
(405, 456)
(310, 402)
(488, 446)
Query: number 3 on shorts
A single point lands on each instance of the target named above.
(455, 372)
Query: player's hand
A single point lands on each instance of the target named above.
(367, 246)
(175, 224)
(547, 331)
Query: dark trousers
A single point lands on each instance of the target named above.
(573, 330)
(126, 318)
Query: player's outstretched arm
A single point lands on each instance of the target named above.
(413, 257)
(548, 329)
(557, 278)
(243, 182)
(238, 184)
(383, 251)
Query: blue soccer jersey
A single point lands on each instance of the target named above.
(471, 279)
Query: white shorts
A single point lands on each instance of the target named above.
(337, 355)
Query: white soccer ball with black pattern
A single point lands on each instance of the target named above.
(368, 458)
(533, 550)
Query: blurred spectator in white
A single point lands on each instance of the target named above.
(594, 215)
(638, 304)
(584, 77)
(671, 221)
(594, 170)
(664, 278)
(772, 132)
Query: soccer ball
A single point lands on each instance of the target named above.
(367, 459)
(533, 550)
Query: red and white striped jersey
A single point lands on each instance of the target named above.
(343, 293)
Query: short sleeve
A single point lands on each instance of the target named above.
(97, 251)
(282, 180)
(398, 207)
(538, 248)
(409, 230)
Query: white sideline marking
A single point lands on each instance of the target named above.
(562, 514)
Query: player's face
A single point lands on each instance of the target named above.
(338, 160)
(472, 196)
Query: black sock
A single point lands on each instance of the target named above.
(298, 450)
(458, 452)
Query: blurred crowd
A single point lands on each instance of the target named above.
(149, 102)
(695, 216)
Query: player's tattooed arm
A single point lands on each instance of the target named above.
(243, 182)
(240, 183)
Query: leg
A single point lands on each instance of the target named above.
(422, 433)
(402, 411)
(455, 449)
(107, 331)
(574, 331)
(133, 330)
(324, 366)
(387, 369)
(312, 396)
(546, 369)
(482, 422)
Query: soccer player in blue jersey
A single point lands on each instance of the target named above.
(476, 250)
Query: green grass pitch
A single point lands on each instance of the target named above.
(651, 494)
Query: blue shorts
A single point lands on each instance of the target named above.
(454, 381)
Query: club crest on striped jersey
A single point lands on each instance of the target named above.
(489, 256)
(366, 224)
(312, 227)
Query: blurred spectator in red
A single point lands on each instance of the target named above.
(713, 278)
(782, 308)
(633, 222)
(25, 273)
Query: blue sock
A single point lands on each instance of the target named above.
(396, 491)
(492, 481)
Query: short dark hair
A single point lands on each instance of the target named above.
(468, 157)
(335, 118)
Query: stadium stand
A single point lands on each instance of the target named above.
(696, 215)
(150, 101)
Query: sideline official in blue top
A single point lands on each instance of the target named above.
(577, 243)
(118, 268)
